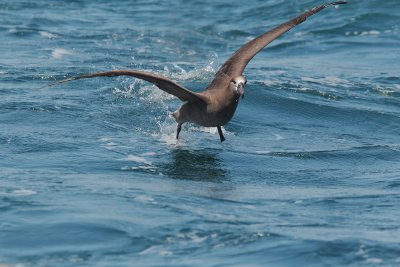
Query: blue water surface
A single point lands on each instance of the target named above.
(91, 173)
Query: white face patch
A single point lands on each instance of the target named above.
(239, 79)
(238, 84)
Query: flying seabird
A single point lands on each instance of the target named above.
(215, 106)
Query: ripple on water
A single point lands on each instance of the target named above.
(43, 239)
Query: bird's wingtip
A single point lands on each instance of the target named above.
(61, 81)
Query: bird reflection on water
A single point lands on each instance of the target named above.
(195, 165)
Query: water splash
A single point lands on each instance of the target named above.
(202, 73)
(60, 53)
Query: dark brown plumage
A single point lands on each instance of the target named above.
(216, 105)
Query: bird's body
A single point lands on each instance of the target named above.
(216, 105)
(217, 109)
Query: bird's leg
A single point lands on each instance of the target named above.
(221, 135)
(178, 130)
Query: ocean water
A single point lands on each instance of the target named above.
(90, 171)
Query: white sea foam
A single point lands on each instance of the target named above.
(108, 143)
(23, 192)
(374, 260)
(382, 90)
(111, 144)
(59, 53)
(279, 137)
(150, 153)
(12, 30)
(300, 33)
(271, 83)
(47, 35)
(262, 152)
(328, 80)
(137, 159)
(195, 237)
(135, 168)
(156, 250)
(373, 32)
(276, 72)
(145, 199)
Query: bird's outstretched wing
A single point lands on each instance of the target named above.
(165, 84)
(235, 65)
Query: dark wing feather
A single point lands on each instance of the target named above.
(235, 65)
(161, 82)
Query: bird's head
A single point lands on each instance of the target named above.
(237, 85)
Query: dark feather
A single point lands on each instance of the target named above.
(165, 84)
(236, 64)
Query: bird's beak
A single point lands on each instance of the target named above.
(240, 89)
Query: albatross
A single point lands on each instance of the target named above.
(216, 105)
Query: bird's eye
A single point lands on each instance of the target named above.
(234, 82)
